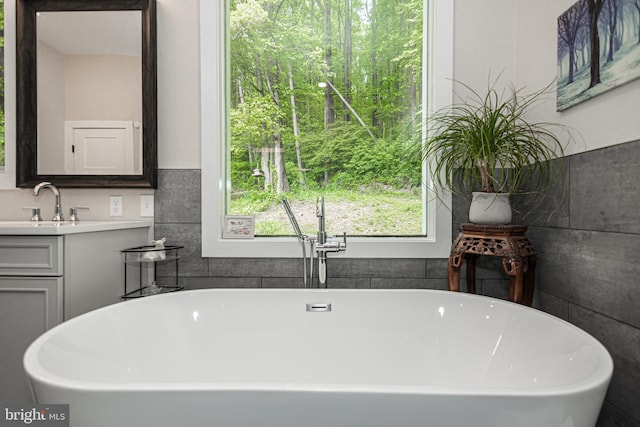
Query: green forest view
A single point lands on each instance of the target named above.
(326, 99)
(1, 83)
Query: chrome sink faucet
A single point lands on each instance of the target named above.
(57, 216)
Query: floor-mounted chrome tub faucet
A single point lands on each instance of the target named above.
(319, 245)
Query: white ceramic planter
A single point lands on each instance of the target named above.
(490, 208)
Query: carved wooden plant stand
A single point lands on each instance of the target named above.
(506, 241)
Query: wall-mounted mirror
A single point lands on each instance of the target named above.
(86, 93)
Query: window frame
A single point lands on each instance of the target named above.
(215, 158)
(8, 172)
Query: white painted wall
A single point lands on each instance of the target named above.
(179, 84)
(15, 204)
(608, 119)
(520, 39)
(103, 87)
(484, 45)
(51, 88)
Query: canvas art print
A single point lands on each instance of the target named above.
(598, 49)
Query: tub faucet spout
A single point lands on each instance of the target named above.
(324, 244)
(57, 216)
(322, 240)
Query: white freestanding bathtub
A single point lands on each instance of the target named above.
(387, 358)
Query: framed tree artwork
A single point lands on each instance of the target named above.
(598, 49)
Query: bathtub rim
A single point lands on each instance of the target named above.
(600, 377)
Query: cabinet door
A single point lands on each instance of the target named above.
(93, 268)
(30, 255)
(28, 307)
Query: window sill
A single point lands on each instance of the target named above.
(356, 248)
(437, 246)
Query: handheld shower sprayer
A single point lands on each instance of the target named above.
(303, 241)
(292, 219)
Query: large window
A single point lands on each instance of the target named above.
(323, 97)
(7, 94)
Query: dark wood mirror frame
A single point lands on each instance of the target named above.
(26, 94)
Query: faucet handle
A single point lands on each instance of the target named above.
(35, 213)
(342, 246)
(73, 214)
(332, 245)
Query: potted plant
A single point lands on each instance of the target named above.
(485, 145)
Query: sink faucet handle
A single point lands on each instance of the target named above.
(73, 213)
(35, 213)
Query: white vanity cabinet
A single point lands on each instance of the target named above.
(50, 273)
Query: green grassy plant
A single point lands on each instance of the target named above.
(486, 143)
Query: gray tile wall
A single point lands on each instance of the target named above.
(178, 218)
(588, 270)
(587, 273)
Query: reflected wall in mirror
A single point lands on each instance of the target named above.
(87, 93)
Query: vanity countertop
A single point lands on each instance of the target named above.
(50, 228)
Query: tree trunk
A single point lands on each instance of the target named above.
(413, 98)
(374, 71)
(296, 130)
(350, 108)
(612, 6)
(347, 56)
(264, 152)
(485, 177)
(329, 106)
(265, 162)
(571, 64)
(594, 7)
(569, 25)
(282, 183)
(243, 107)
(636, 4)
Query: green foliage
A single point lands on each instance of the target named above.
(489, 144)
(330, 150)
(271, 228)
(385, 163)
(258, 116)
(254, 201)
(281, 52)
(2, 137)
